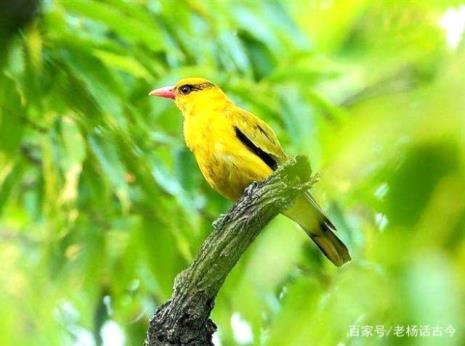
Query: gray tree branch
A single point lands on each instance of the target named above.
(184, 319)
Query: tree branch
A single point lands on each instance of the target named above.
(184, 319)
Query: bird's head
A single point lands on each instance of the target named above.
(192, 93)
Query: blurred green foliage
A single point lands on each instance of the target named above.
(102, 205)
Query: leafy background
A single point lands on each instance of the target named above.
(101, 205)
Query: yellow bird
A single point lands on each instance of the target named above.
(234, 148)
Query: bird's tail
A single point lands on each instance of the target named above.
(306, 212)
(331, 246)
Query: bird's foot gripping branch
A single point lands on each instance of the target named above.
(184, 319)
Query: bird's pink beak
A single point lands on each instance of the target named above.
(166, 92)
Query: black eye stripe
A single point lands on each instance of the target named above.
(202, 86)
(188, 88)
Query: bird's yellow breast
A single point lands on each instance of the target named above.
(227, 165)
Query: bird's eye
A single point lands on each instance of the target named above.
(185, 89)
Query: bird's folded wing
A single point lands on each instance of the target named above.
(258, 133)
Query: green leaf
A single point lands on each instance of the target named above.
(123, 63)
(121, 23)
